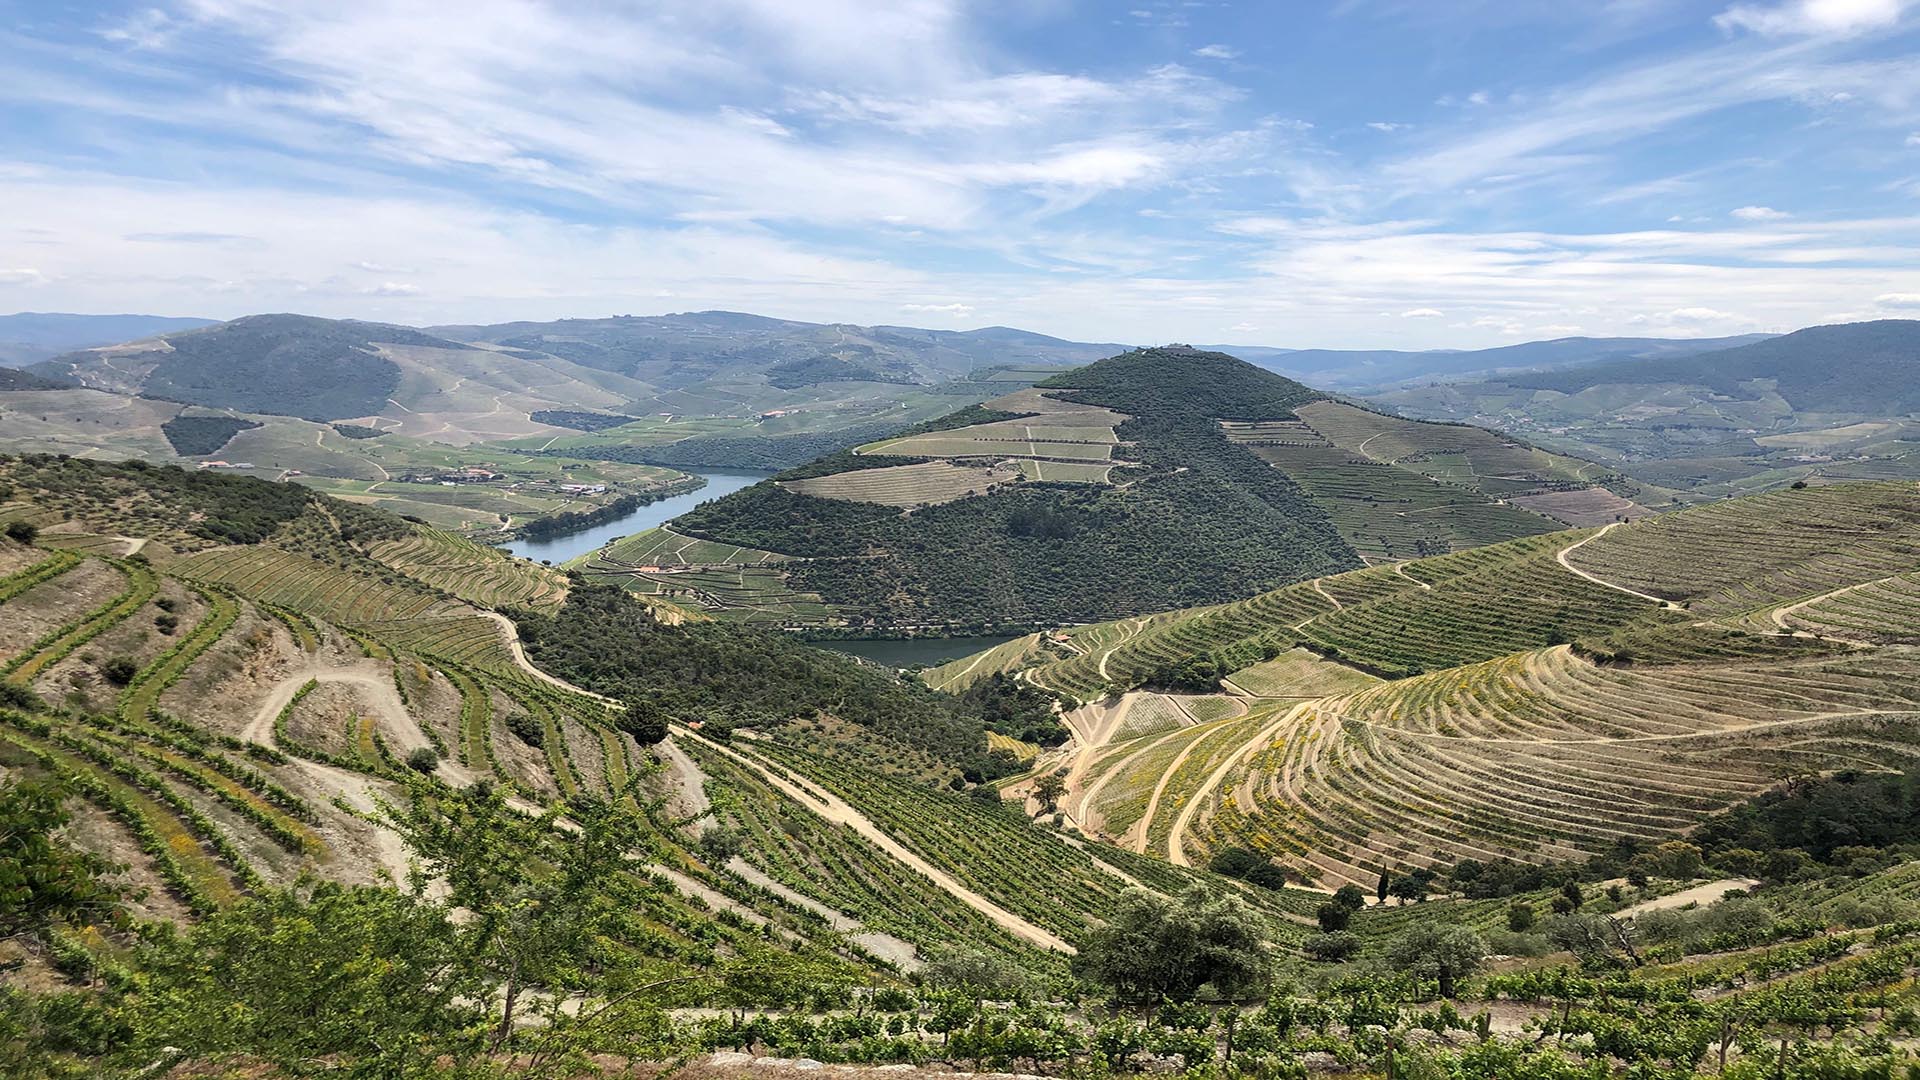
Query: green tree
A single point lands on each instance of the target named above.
(975, 972)
(1445, 954)
(43, 879)
(1333, 917)
(119, 670)
(25, 532)
(1155, 948)
(1048, 789)
(537, 898)
(644, 720)
(370, 975)
(1350, 896)
(1520, 916)
(1334, 948)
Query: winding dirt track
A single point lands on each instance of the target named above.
(1561, 558)
(1780, 614)
(1145, 825)
(1134, 626)
(1176, 846)
(526, 665)
(359, 791)
(837, 810)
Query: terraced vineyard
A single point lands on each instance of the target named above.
(667, 549)
(1401, 489)
(752, 595)
(474, 573)
(923, 483)
(1052, 429)
(1536, 705)
(1769, 549)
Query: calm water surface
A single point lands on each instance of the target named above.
(561, 548)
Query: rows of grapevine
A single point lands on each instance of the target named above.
(920, 484)
(832, 865)
(1543, 755)
(474, 573)
(141, 585)
(1734, 556)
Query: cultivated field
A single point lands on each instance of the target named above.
(1056, 430)
(1543, 700)
(665, 548)
(924, 483)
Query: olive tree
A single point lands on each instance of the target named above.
(1155, 948)
(1445, 954)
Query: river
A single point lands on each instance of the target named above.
(561, 548)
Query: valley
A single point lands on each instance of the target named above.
(1481, 673)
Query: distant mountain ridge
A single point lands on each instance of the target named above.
(1828, 402)
(1848, 367)
(681, 349)
(29, 337)
(1369, 368)
(290, 365)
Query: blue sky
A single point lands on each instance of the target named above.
(1346, 173)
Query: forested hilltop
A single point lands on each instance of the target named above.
(1153, 506)
(1148, 480)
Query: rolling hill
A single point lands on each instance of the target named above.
(29, 337)
(265, 708)
(1537, 700)
(1151, 479)
(713, 388)
(1828, 401)
(1363, 369)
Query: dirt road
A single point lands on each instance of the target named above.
(837, 810)
(1561, 558)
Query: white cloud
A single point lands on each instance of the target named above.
(150, 28)
(1812, 17)
(958, 311)
(1898, 300)
(22, 276)
(1388, 125)
(1757, 213)
(1690, 319)
(391, 288)
(1217, 52)
(1423, 313)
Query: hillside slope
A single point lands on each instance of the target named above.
(1827, 401)
(1541, 699)
(1097, 511)
(246, 670)
(1153, 479)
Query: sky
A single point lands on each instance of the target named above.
(1334, 173)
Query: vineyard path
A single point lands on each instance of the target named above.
(1176, 848)
(1585, 540)
(837, 810)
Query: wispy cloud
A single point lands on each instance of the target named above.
(842, 159)
(1814, 17)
